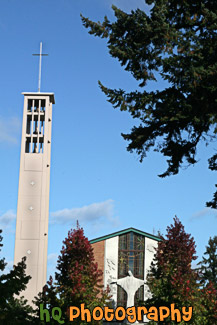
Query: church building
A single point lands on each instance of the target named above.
(125, 254)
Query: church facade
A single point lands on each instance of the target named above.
(125, 254)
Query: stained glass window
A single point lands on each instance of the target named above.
(130, 257)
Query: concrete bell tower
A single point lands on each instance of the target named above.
(33, 194)
(34, 187)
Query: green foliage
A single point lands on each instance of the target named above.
(177, 42)
(77, 280)
(13, 309)
(208, 265)
(208, 303)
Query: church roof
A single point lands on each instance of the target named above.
(125, 231)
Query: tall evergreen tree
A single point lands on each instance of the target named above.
(176, 42)
(208, 265)
(77, 280)
(13, 309)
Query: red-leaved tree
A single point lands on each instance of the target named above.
(77, 280)
(172, 279)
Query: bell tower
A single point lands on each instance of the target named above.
(33, 194)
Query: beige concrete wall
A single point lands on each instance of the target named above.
(33, 200)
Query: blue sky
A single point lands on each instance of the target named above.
(93, 178)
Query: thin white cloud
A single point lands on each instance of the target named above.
(129, 5)
(7, 218)
(206, 212)
(52, 257)
(9, 129)
(92, 213)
